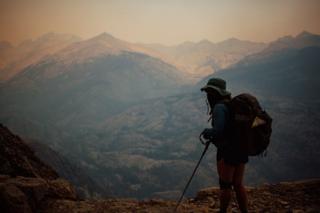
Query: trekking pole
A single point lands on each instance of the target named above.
(207, 143)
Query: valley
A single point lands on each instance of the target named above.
(129, 119)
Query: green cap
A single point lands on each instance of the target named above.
(218, 85)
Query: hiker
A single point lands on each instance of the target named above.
(231, 159)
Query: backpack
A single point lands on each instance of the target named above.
(250, 124)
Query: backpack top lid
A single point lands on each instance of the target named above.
(218, 85)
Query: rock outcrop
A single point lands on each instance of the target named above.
(29, 194)
(18, 159)
(28, 185)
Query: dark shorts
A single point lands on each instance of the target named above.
(232, 156)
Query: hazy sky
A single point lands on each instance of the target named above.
(162, 21)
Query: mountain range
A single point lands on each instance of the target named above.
(130, 118)
(16, 58)
(288, 68)
(195, 59)
(205, 57)
(87, 81)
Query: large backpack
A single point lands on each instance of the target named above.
(251, 125)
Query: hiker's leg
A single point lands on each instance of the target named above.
(239, 188)
(226, 173)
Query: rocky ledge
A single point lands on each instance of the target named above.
(25, 194)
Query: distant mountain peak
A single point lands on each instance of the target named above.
(205, 41)
(236, 41)
(49, 35)
(186, 44)
(233, 39)
(53, 36)
(285, 38)
(305, 34)
(302, 40)
(104, 36)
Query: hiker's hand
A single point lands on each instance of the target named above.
(207, 134)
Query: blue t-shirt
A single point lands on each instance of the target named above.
(220, 119)
(228, 149)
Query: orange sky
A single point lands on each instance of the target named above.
(162, 21)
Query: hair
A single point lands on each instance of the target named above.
(214, 97)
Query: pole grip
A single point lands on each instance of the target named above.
(202, 139)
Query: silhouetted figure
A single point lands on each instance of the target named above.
(230, 159)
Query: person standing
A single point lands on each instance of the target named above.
(231, 159)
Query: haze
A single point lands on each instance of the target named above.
(159, 21)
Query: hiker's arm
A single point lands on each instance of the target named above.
(219, 122)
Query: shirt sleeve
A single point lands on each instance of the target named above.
(220, 114)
